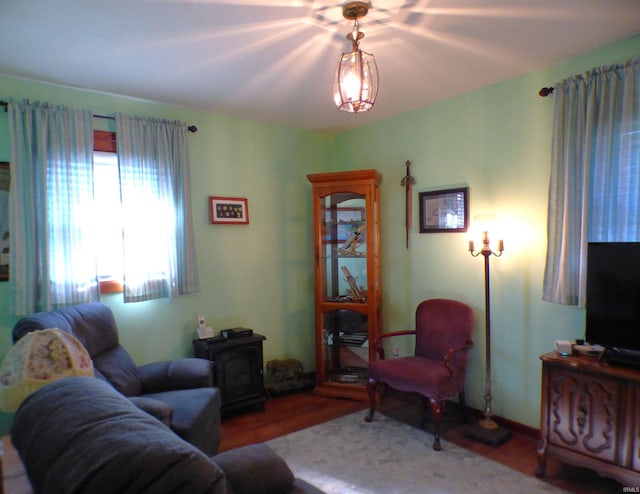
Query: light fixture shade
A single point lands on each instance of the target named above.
(39, 358)
(355, 87)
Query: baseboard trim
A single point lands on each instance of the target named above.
(475, 414)
(512, 425)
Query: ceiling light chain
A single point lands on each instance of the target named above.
(355, 86)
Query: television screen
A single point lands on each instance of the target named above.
(613, 294)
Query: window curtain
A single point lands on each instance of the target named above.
(51, 196)
(595, 173)
(159, 253)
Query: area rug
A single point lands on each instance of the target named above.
(350, 456)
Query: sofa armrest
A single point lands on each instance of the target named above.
(155, 408)
(182, 373)
(80, 435)
(254, 469)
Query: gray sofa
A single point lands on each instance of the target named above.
(179, 393)
(80, 436)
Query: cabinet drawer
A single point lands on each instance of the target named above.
(583, 412)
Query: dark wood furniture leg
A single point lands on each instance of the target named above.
(437, 407)
(372, 386)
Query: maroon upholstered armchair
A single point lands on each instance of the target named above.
(436, 370)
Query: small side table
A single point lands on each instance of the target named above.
(237, 370)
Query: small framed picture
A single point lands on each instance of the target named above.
(444, 210)
(228, 210)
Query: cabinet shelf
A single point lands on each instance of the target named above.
(345, 255)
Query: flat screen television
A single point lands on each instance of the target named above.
(613, 296)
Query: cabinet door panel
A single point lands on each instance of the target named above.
(345, 347)
(582, 413)
(237, 373)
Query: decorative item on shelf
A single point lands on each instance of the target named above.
(487, 430)
(351, 244)
(355, 289)
(37, 359)
(355, 86)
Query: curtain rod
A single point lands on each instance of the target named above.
(545, 91)
(190, 128)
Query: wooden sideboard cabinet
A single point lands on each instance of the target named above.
(590, 416)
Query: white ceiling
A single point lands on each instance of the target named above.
(274, 60)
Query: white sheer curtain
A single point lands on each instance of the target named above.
(159, 253)
(52, 260)
(595, 173)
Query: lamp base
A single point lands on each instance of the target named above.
(487, 431)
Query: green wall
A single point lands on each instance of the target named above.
(257, 275)
(495, 140)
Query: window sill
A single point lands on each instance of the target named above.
(110, 286)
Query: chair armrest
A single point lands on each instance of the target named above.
(450, 353)
(156, 408)
(254, 469)
(182, 373)
(378, 343)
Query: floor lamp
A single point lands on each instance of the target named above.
(486, 429)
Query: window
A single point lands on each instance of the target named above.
(108, 215)
(57, 261)
(108, 212)
(595, 173)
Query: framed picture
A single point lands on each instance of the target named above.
(444, 210)
(228, 210)
(4, 221)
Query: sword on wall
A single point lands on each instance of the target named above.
(407, 182)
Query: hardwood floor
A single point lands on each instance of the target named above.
(297, 411)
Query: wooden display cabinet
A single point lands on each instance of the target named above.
(591, 416)
(346, 243)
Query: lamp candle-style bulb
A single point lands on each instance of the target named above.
(500, 245)
(471, 246)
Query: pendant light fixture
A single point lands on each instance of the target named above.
(356, 83)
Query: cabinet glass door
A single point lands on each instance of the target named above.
(346, 346)
(344, 244)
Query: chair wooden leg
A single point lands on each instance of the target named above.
(372, 385)
(437, 407)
